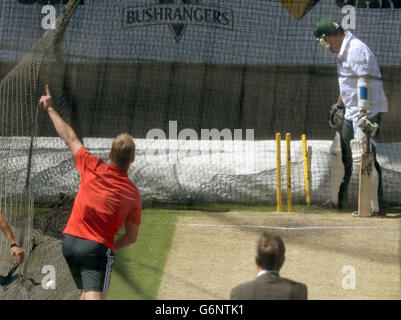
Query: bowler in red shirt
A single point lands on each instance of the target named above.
(106, 200)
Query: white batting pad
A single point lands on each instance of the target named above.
(357, 147)
(337, 168)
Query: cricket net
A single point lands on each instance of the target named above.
(19, 94)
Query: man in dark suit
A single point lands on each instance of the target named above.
(268, 285)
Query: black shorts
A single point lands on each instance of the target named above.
(89, 262)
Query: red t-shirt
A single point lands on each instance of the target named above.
(105, 200)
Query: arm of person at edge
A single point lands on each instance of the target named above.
(17, 253)
(129, 237)
(66, 133)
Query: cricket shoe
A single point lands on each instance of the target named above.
(381, 213)
(373, 214)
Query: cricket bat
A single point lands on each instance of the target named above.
(365, 181)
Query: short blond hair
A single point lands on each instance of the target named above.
(123, 150)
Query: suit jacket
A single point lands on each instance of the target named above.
(270, 286)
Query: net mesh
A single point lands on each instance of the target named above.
(19, 93)
(166, 71)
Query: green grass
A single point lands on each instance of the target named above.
(138, 270)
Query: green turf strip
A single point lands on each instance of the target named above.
(138, 270)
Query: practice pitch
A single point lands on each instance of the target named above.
(335, 255)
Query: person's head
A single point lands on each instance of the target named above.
(122, 152)
(270, 252)
(330, 34)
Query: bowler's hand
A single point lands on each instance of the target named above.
(17, 253)
(46, 102)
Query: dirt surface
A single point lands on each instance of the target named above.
(213, 252)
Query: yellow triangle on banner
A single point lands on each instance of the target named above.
(298, 8)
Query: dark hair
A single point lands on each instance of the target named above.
(270, 251)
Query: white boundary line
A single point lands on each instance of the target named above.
(272, 227)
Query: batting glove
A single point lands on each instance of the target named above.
(336, 115)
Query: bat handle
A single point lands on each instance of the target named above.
(367, 145)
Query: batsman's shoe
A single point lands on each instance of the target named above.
(381, 213)
(373, 214)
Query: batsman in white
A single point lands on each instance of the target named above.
(360, 106)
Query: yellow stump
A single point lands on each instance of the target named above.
(289, 190)
(306, 169)
(278, 147)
